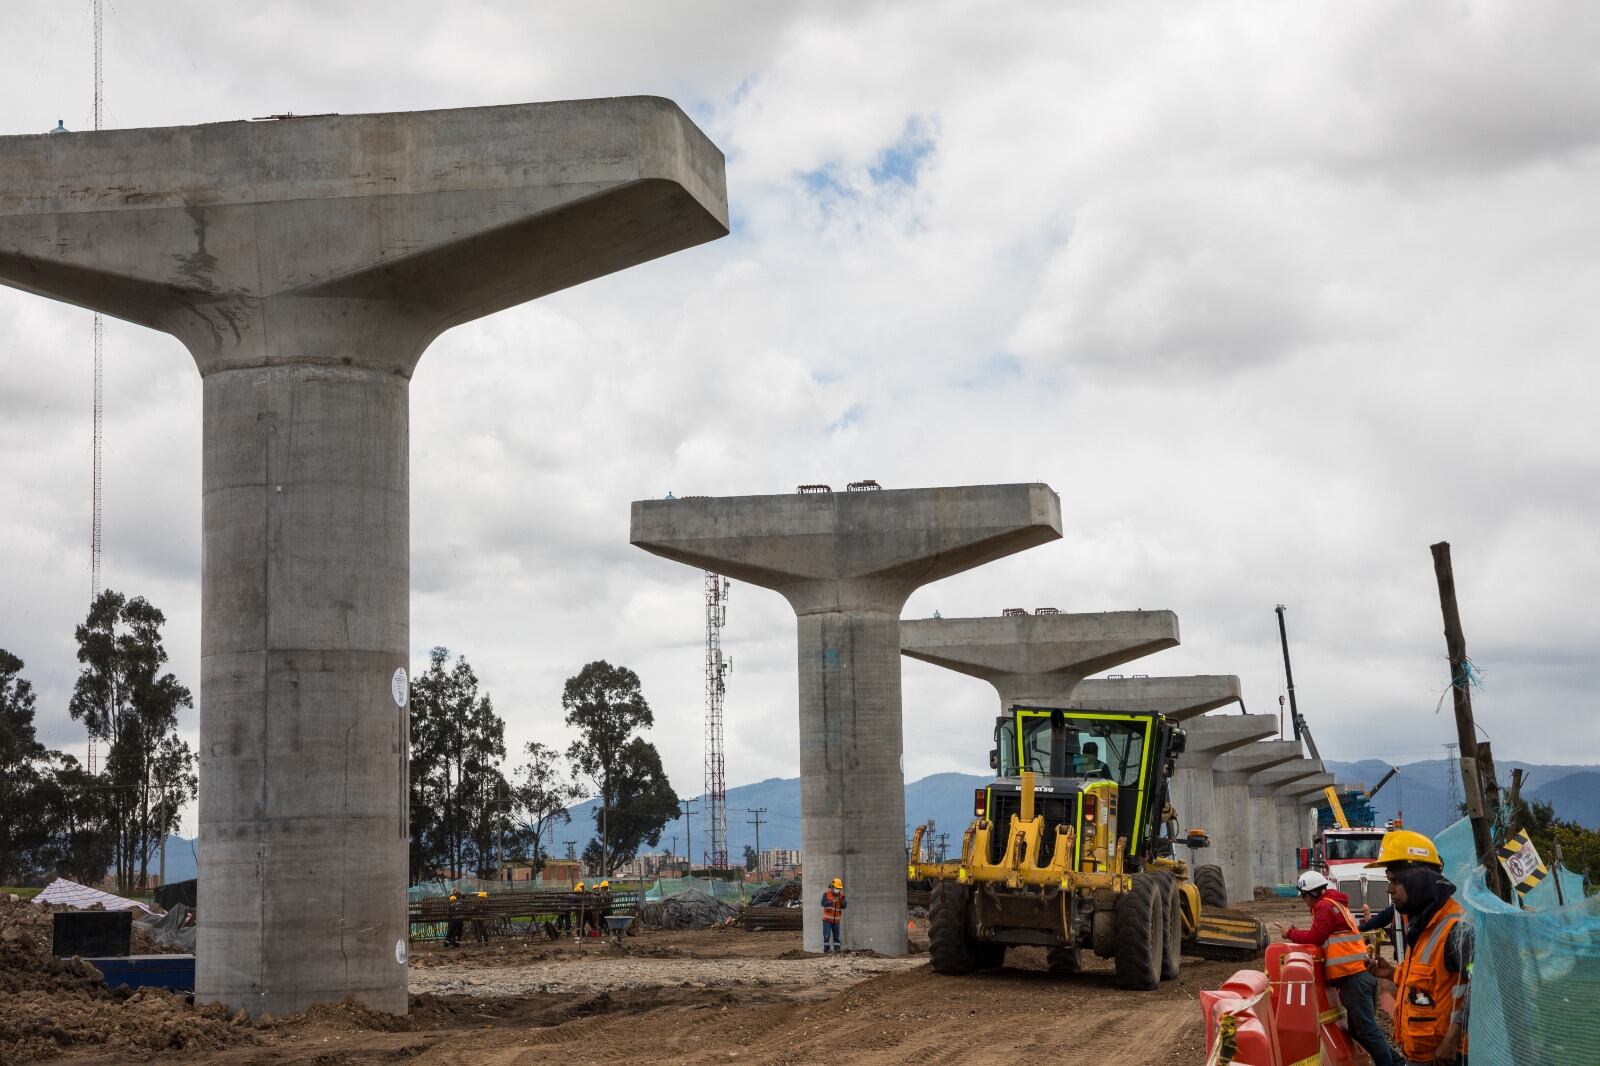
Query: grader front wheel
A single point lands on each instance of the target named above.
(949, 948)
(1140, 933)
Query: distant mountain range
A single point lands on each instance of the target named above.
(1419, 790)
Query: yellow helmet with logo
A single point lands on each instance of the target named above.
(838, 883)
(1404, 845)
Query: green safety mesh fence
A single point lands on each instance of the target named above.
(664, 887)
(1536, 973)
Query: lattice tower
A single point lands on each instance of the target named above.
(99, 360)
(716, 795)
(1452, 778)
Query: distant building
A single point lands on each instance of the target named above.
(779, 860)
(650, 866)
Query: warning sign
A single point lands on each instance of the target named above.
(1522, 863)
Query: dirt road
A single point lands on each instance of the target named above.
(722, 996)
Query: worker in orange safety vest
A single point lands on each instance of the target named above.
(833, 905)
(1432, 983)
(1344, 961)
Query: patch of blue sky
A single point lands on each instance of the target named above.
(900, 162)
(995, 370)
(853, 414)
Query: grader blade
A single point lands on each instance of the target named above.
(1226, 935)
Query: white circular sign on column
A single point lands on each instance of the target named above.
(400, 951)
(398, 687)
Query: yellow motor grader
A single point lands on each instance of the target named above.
(1073, 848)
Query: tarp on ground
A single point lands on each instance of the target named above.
(1536, 972)
(64, 893)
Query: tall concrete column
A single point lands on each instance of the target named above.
(1268, 861)
(1230, 785)
(306, 264)
(1194, 794)
(1295, 803)
(846, 562)
(1038, 659)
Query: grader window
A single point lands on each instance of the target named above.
(1095, 749)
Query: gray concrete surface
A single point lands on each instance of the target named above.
(1037, 659)
(1271, 819)
(1179, 698)
(846, 562)
(1230, 790)
(306, 264)
(1194, 795)
(1295, 804)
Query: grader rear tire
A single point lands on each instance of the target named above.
(949, 948)
(1212, 886)
(1141, 915)
(1172, 943)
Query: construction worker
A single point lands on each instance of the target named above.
(480, 926)
(1344, 961)
(1432, 982)
(1092, 766)
(453, 924)
(833, 905)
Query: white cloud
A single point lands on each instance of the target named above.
(1274, 295)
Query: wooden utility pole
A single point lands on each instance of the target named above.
(1466, 732)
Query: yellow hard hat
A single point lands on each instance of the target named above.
(1405, 845)
(837, 883)
(578, 887)
(483, 895)
(605, 884)
(453, 897)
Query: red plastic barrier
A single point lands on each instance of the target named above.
(1306, 1010)
(1246, 996)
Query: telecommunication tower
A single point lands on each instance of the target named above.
(1452, 778)
(99, 341)
(716, 805)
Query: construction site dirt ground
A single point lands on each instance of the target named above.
(725, 995)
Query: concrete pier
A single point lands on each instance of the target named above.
(1296, 801)
(306, 264)
(1179, 698)
(1269, 863)
(1194, 792)
(1037, 659)
(1230, 788)
(846, 562)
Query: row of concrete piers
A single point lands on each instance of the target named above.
(847, 562)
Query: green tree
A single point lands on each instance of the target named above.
(128, 703)
(541, 797)
(459, 799)
(23, 828)
(1579, 846)
(606, 705)
(751, 859)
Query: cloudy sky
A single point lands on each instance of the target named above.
(1274, 295)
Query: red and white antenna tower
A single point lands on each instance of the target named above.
(716, 801)
(99, 340)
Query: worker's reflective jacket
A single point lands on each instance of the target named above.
(1426, 989)
(1344, 953)
(832, 906)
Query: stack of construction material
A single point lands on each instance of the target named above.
(778, 894)
(690, 909)
(773, 919)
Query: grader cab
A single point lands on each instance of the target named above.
(1072, 848)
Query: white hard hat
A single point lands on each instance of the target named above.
(1311, 880)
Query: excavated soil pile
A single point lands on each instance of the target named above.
(48, 1006)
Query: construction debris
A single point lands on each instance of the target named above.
(689, 909)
